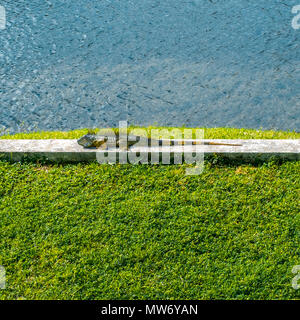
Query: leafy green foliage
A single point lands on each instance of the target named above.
(91, 231)
(209, 133)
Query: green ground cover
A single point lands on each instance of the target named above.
(210, 133)
(90, 231)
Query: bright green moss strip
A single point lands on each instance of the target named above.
(92, 231)
(210, 133)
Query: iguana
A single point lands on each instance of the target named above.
(103, 142)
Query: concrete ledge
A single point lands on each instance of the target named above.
(66, 150)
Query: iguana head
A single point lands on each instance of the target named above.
(92, 140)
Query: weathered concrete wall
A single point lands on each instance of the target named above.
(86, 63)
(70, 151)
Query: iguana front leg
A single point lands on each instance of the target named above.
(125, 144)
(122, 144)
(103, 146)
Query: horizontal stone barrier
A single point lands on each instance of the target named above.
(67, 150)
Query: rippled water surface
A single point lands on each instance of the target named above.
(87, 63)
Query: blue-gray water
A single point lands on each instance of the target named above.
(87, 63)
